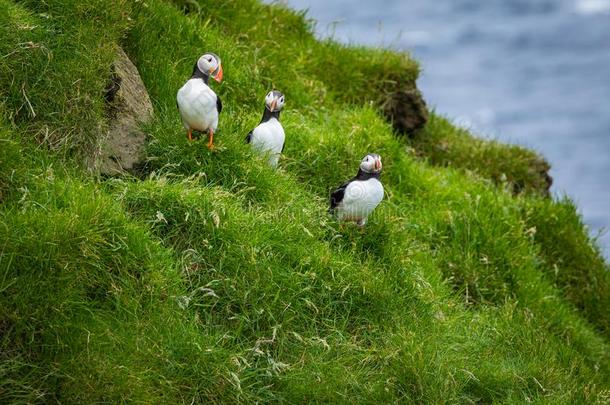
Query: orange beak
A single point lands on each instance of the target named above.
(378, 164)
(273, 104)
(218, 76)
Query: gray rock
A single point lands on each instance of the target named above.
(128, 107)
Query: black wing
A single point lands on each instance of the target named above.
(218, 104)
(337, 196)
(249, 137)
(283, 146)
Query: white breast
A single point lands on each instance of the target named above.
(268, 138)
(197, 105)
(359, 200)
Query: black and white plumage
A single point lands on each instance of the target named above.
(355, 199)
(199, 106)
(268, 137)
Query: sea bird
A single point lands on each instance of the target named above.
(199, 106)
(354, 200)
(268, 137)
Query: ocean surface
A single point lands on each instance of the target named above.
(530, 72)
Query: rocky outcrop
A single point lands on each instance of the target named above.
(128, 107)
(406, 110)
(540, 170)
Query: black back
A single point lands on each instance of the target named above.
(218, 104)
(337, 196)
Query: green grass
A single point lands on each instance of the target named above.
(214, 278)
(508, 166)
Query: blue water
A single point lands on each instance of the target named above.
(530, 72)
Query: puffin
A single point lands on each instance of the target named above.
(354, 200)
(197, 103)
(268, 137)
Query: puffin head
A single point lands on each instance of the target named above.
(274, 101)
(210, 65)
(371, 163)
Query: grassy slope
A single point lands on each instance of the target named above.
(512, 167)
(218, 279)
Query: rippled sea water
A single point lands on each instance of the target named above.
(531, 72)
